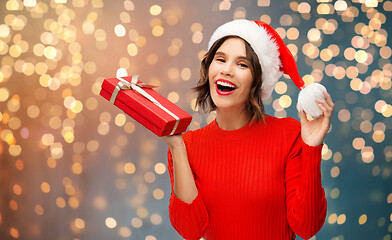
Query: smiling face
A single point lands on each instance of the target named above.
(230, 76)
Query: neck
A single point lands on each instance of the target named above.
(231, 119)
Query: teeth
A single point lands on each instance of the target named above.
(225, 84)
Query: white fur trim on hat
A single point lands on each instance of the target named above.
(261, 42)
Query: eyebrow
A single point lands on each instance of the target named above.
(240, 57)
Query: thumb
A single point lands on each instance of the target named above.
(302, 116)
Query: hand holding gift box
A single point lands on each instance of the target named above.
(145, 105)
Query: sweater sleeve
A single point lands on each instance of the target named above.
(305, 196)
(189, 219)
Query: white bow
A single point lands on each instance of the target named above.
(125, 85)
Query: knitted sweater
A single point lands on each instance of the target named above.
(257, 182)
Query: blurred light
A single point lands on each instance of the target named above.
(129, 168)
(314, 35)
(359, 143)
(129, 127)
(335, 171)
(136, 222)
(45, 187)
(79, 223)
(340, 5)
(4, 94)
(285, 101)
(155, 10)
(157, 31)
(371, 3)
(304, 7)
(142, 212)
(292, 33)
(121, 72)
(160, 168)
(100, 202)
(156, 219)
(225, 5)
(332, 218)
(173, 97)
(335, 193)
(367, 154)
(152, 59)
(4, 31)
(361, 56)
(73, 202)
(263, 3)
(132, 49)
(60, 202)
(100, 35)
(389, 198)
(341, 219)
(14, 232)
(325, 8)
(158, 194)
(124, 232)
(125, 17)
(128, 5)
(15, 150)
(149, 177)
(119, 30)
(120, 120)
(39, 210)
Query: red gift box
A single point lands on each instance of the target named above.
(137, 99)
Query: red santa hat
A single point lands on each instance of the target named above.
(275, 59)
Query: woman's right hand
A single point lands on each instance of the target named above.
(174, 141)
(184, 186)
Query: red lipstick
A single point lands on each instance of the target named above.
(227, 84)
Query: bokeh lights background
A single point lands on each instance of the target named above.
(72, 166)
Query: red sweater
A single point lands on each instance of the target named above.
(257, 182)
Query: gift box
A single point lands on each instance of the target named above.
(145, 105)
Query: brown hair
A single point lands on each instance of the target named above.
(254, 104)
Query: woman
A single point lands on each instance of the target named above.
(247, 175)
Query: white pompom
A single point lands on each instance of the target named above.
(307, 99)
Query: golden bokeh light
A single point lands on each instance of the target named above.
(129, 168)
(80, 223)
(173, 97)
(341, 219)
(119, 30)
(304, 7)
(110, 222)
(335, 193)
(124, 232)
(14, 232)
(362, 219)
(332, 218)
(45, 187)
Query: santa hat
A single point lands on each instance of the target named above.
(275, 59)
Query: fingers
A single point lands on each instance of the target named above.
(326, 106)
(327, 110)
(328, 99)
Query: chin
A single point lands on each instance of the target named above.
(227, 106)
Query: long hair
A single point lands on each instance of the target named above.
(254, 105)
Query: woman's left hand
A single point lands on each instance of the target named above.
(313, 132)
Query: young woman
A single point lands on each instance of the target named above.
(247, 175)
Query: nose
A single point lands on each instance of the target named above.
(227, 69)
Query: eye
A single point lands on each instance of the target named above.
(220, 59)
(243, 65)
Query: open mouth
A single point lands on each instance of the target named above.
(225, 86)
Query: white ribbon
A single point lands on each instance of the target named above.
(125, 85)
